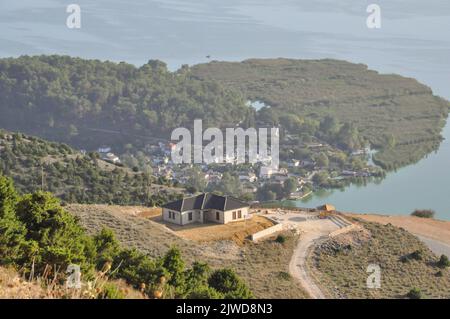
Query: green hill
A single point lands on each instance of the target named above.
(34, 164)
(82, 102)
(86, 103)
(397, 115)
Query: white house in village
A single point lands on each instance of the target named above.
(104, 149)
(267, 172)
(111, 157)
(249, 177)
(204, 208)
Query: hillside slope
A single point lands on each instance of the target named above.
(340, 264)
(386, 109)
(263, 266)
(87, 102)
(34, 163)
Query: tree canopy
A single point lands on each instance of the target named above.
(75, 100)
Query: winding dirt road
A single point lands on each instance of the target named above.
(312, 230)
(298, 265)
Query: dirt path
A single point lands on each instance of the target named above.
(312, 230)
(437, 247)
(298, 267)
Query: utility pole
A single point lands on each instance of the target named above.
(42, 178)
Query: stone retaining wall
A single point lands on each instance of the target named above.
(267, 232)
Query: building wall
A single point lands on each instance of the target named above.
(165, 216)
(228, 215)
(197, 216)
(267, 232)
(211, 216)
(182, 218)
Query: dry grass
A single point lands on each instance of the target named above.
(236, 231)
(430, 228)
(151, 212)
(340, 264)
(14, 286)
(262, 265)
(131, 230)
(265, 268)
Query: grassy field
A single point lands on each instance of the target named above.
(377, 104)
(340, 264)
(263, 266)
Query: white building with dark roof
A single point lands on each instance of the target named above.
(205, 208)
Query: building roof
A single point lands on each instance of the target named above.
(206, 201)
(327, 207)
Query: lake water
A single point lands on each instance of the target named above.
(414, 41)
(420, 186)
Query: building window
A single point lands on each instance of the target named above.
(190, 216)
(217, 216)
(234, 215)
(239, 214)
(170, 215)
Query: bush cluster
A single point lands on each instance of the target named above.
(37, 234)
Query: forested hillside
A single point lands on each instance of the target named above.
(36, 164)
(82, 102)
(86, 103)
(397, 115)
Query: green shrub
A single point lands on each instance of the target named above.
(12, 233)
(284, 275)
(443, 262)
(196, 276)
(111, 291)
(281, 239)
(228, 283)
(424, 213)
(136, 268)
(414, 293)
(174, 264)
(416, 255)
(54, 234)
(204, 292)
(107, 247)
